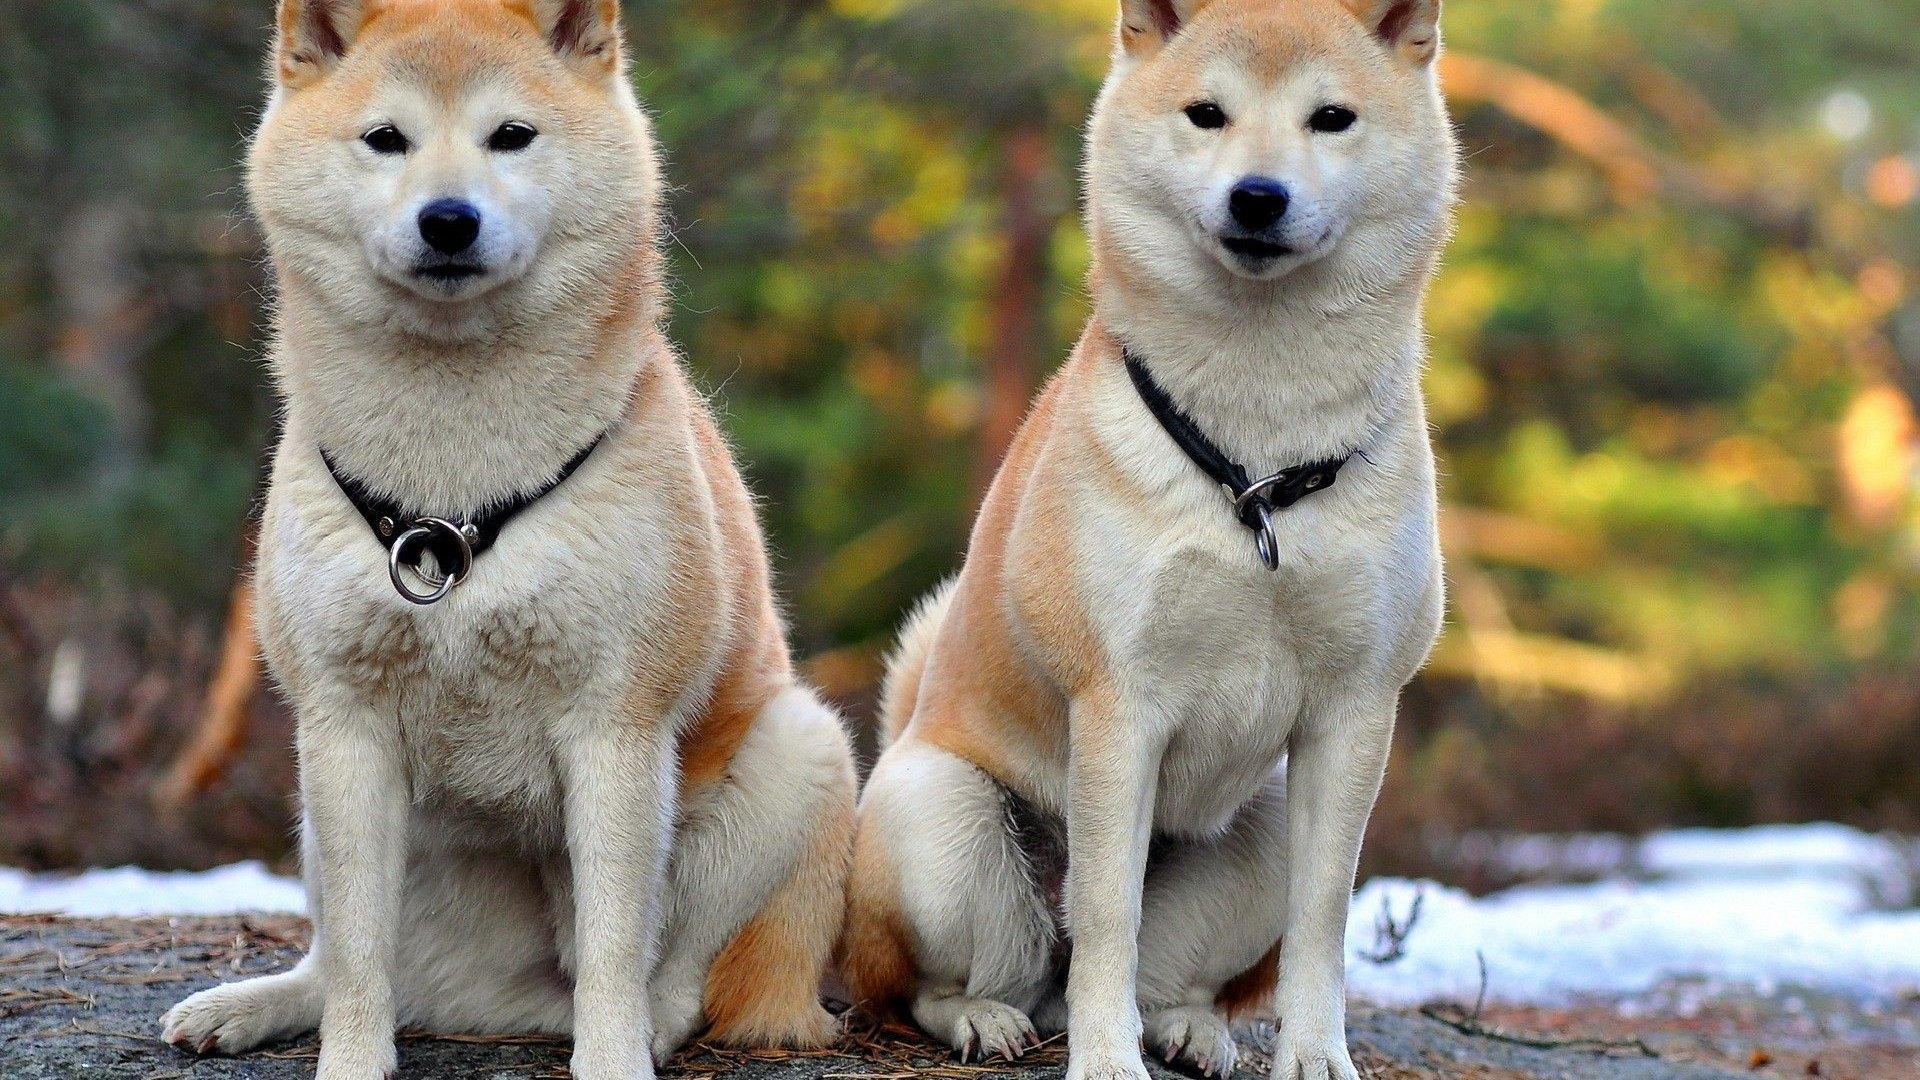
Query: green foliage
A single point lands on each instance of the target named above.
(1667, 395)
(48, 432)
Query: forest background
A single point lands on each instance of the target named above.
(1676, 355)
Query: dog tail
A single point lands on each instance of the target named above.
(900, 689)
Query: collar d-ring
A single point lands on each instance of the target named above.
(1265, 539)
(422, 535)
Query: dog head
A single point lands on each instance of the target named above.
(438, 166)
(1245, 140)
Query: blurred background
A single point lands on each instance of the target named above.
(1676, 354)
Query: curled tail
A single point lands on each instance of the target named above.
(900, 688)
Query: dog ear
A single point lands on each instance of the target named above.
(1411, 28)
(1145, 25)
(313, 36)
(583, 32)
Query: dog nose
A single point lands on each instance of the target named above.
(449, 226)
(1257, 202)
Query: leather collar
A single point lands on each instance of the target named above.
(454, 541)
(1254, 501)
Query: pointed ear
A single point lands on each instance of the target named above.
(583, 32)
(1411, 28)
(314, 35)
(1145, 25)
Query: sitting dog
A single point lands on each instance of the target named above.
(556, 770)
(1136, 740)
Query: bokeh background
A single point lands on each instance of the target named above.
(1676, 354)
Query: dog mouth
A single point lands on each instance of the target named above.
(1254, 249)
(449, 273)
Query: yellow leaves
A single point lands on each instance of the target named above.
(1461, 299)
(1875, 446)
(1530, 662)
(1808, 301)
(861, 562)
(953, 408)
(1455, 389)
(1746, 461)
(873, 10)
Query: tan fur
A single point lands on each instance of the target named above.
(764, 988)
(1112, 658)
(875, 955)
(1250, 993)
(597, 741)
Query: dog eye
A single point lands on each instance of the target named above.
(385, 139)
(510, 136)
(1331, 118)
(1205, 114)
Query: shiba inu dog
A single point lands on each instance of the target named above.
(556, 770)
(1089, 723)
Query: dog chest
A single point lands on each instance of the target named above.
(1234, 655)
(473, 686)
(474, 695)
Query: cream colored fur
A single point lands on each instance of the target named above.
(1208, 736)
(561, 799)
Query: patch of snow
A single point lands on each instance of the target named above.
(129, 891)
(1760, 908)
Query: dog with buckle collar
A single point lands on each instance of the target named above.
(1200, 580)
(557, 773)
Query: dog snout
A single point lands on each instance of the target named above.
(1256, 202)
(449, 226)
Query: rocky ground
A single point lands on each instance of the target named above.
(80, 998)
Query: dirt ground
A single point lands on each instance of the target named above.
(82, 998)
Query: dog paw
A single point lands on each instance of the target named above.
(1305, 1055)
(1105, 1064)
(1195, 1035)
(356, 1061)
(596, 1060)
(988, 1028)
(237, 1017)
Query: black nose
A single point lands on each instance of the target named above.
(1257, 202)
(449, 226)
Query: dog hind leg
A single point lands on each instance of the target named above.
(1209, 934)
(757, 887)
(980, 925)
(476, 950)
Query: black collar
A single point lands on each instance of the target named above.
(454, 541)
(1254, 501)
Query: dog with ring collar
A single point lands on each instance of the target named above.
(557, 773)
(1135, 742)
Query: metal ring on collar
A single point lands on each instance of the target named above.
(422, 532)
(1265, 540)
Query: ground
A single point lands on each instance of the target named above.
(81, 997)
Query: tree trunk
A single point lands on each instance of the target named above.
(1016, 303)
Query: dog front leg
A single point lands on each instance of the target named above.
(618, 776)
(1335, 761)
(353, 784)
(1112, 768)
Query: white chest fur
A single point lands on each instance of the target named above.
(542, 634)
(1229, 655)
